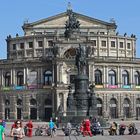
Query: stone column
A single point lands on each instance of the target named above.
(133, 106)
(45, 46)
(24, 76)
(58, 73)
(93, 73)
(2, 110)
(25, 48)
(53, 71)
(98, 46)
(106, 76)
(34, 47)
(117, 46)
(41, 76)
(125, 46)
(118, 77)
(119, 106)
(64, 103)
(89, 73)
(2, 80)
(14, 77)
(26, 107)
(131, 77)
(11, 73)
(108, 46)
(13, 111)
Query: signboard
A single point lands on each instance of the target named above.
(112, 86)
(98, 86)
(126, 86)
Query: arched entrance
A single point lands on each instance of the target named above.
(19, 109)
(99, 107)
(7, 109)
(48, 109)
(126, 108)
(33, 109)
(113, 108)
(137, 108)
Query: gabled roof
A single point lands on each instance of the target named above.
(78, 16)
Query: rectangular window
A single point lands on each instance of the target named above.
(121, 44)
(102, 33)
(14, 46)
(112, 43)
(21, 45)
(128, 45)
(72, 78)
(103, 43)
(50, 43)
(30, 44)
(40, 43)
(94, 42)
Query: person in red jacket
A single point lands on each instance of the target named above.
(86, 129)
(29, 128)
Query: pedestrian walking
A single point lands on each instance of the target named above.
(17, 133)
(2, 136)
(52, 127)
(29, 128)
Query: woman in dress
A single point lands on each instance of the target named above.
(17, 133)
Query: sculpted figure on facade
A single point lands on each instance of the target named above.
(80, 59)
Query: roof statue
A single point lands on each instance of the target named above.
(72, 24)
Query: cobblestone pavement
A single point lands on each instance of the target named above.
(60, 134)
(62, 137)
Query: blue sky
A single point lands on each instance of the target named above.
(15, 12)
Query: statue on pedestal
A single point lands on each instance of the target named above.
(80, 60)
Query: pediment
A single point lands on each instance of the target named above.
(60, 20)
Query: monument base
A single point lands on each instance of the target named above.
(73, 119)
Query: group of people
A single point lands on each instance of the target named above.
(121, 128)
(17, 130)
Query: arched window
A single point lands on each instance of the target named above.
(7, 102)
(98, 77)
(48, 78)
(33, 102)
(126, 108)
(19, 102)
(20, 78)
(137, 78)
(33, 109)
(7, 79)
(125, 78)
(113, 108)
(112, 77)
(70, 53)
(7, 109)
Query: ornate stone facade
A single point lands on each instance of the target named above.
(40, 66)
